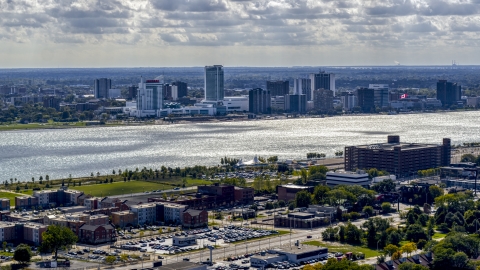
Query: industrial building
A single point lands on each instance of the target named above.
(400, 159)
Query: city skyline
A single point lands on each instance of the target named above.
(50, 33)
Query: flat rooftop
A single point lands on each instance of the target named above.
(390, 146)
(295, 186)
(179, 266)
(299, 250)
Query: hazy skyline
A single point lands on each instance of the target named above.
(129, 33)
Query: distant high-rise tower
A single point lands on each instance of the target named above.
(149, 98)
(132, 92)
(366, 99)
(303, 87)
(259, 101)
(323, 80)
(214, 90)
(448, 93)
(179, 89)
(381, 93)
(296, 104)
(278, 88)
(101, 87)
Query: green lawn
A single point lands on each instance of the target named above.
(437, 236)
(344, 248)
(119, 188)
(9, 195)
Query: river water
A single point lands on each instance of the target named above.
(79, 152)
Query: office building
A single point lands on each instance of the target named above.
(278, 103)
(287, 192)
(236, 104)
(149, 98)
(101, 87)
(259, 101)
(366, 99)
(278, 88)
(296, 104)
(244, 196)
(400, 159)
(303, 86)
(179, 90)
(323, 100)
(381, 95)
(323, 80)
(214, 80)
(340, 177)
(448, 93)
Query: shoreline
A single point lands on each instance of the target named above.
(185, 121)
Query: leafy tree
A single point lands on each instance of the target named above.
(320, 194)
(385, 186)
(412, 266)
(303, 199)
(435, 191)
(394, 238)
(409, 248)
(110, 259)
(57, 237)
(368, 210)
(468, 158)
(397, 255)
(390, 249)
(415, 232)
(386, 207)
(22, 254)
(4, 245)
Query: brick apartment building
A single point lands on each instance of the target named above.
(401, 159)
(244, 195)
(124, 218)
(195, 218)
(26, 202)
(97, 234)
(4, 204)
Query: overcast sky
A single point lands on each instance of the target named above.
(129, 33)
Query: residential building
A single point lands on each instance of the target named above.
(259, 101)
(98, 220)
(92, 203)
(101, 87)
(287, 192)
(149, 98)
(323, 100)
(7, 231)
(278, 88)
(323, 80)
(302, 86)
(349, 101)
(448, 93)
(173, 213)
(424, 260)
(31, 232)
(145, 212)
(51, 102)
(26, 202)
(340, 177)
(366, 99)
(4, 204)
(97, 234)
(108, 202)
(296, 104)
(400, 159)
(124, 218)
(195, 218)
(244, 195)
(214, 80)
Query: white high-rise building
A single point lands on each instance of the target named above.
(149, 98)
(214, 80)
(302, 86)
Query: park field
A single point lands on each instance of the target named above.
(119, 188)
(344, 248)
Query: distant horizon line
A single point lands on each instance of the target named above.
(323, 66)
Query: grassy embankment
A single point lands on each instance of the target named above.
(339, 247)
(11, 196)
